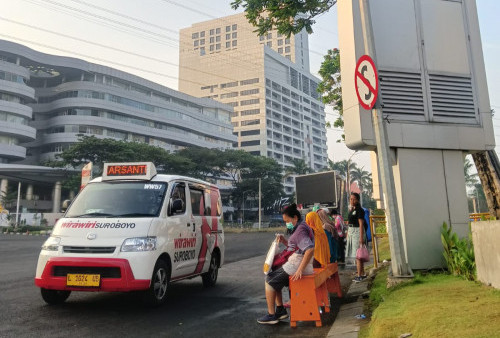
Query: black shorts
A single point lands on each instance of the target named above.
(277, 279)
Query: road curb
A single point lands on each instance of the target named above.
(346, 325)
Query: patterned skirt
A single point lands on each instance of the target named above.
(352, 243)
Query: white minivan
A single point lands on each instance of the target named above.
(133, 229)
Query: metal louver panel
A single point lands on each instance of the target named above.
(452, 98)
(402, 94)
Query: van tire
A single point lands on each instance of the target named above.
(210, 277)
(54, 297)
(156, 295)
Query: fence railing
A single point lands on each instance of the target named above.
(378, 222)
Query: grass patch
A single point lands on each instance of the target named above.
(383, 249)
(433, 305)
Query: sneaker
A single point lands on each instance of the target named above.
(357, 279)
(268, 319)
(281, 313)
(363, 277)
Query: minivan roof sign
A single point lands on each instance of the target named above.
(123, 171)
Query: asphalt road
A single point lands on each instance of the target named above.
(229, 309)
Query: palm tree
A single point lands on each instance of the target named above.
(470, 179)
(300, 167)
(363, 178)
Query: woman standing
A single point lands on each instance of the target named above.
(299, 263)
(321, 247)
(331, 233)
(356, 234)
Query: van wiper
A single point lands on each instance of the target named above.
(134, 214)
(91, 214)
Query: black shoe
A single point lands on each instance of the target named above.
(281, 313)
(268, 319)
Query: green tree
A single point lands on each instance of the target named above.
(470, 179)
(290, 16)
(300, 167)
(330, 86)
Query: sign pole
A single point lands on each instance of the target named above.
(400, 267)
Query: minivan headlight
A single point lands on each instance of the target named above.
(51, 244)
(139, 244)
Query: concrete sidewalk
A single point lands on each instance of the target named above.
(346, 325)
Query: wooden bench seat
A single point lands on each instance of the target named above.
(311, 292)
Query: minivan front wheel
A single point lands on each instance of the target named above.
(54, 297)
(160, 281)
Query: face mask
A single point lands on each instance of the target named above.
(289, 226)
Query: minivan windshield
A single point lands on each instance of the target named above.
(119, 199)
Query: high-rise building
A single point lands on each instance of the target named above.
(278, 112)
(48, 101)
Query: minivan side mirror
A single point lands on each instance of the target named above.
(177, 206)
(65, 205)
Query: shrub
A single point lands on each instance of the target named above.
(458, 253)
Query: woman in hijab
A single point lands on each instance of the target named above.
(331, 233)
(321, 247)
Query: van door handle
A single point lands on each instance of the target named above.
(194, 226)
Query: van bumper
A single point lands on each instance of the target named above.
(116, 274)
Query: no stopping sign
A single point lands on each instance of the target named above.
(366, 82)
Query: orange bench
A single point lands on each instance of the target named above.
(310, 293)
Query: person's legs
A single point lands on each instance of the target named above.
(279, 299)
(271, 296)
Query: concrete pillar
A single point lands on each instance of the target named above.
(430, 189)
(56, 206)
(29, 192)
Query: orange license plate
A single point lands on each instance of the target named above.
(80, 279)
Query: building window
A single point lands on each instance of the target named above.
(247, 102)
(250, 112)
(217, 31)
(202, 51)
(228, 36)
(235, 42)
(228, 28)
(261, 38)
(229, 84)
(287, 49)
(269, 44)
(194, 36)
(211, 48)
(202, 41)
(228, 44)
(280, 50)
(217, 38)
(235, 35)
(235, 26)
(217, 46)
(249, 81)
(212, 39)
(202, 34)
(227, 95)
(196, 43)
(249, 92)
(287, 41)
(280, 42)
(212, 31)
(269, 35)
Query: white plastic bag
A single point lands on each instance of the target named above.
(268, 263)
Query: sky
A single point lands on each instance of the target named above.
(142, 37)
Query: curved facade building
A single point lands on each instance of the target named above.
(49, 101)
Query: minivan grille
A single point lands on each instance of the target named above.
(89, 249)
(105, 272)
